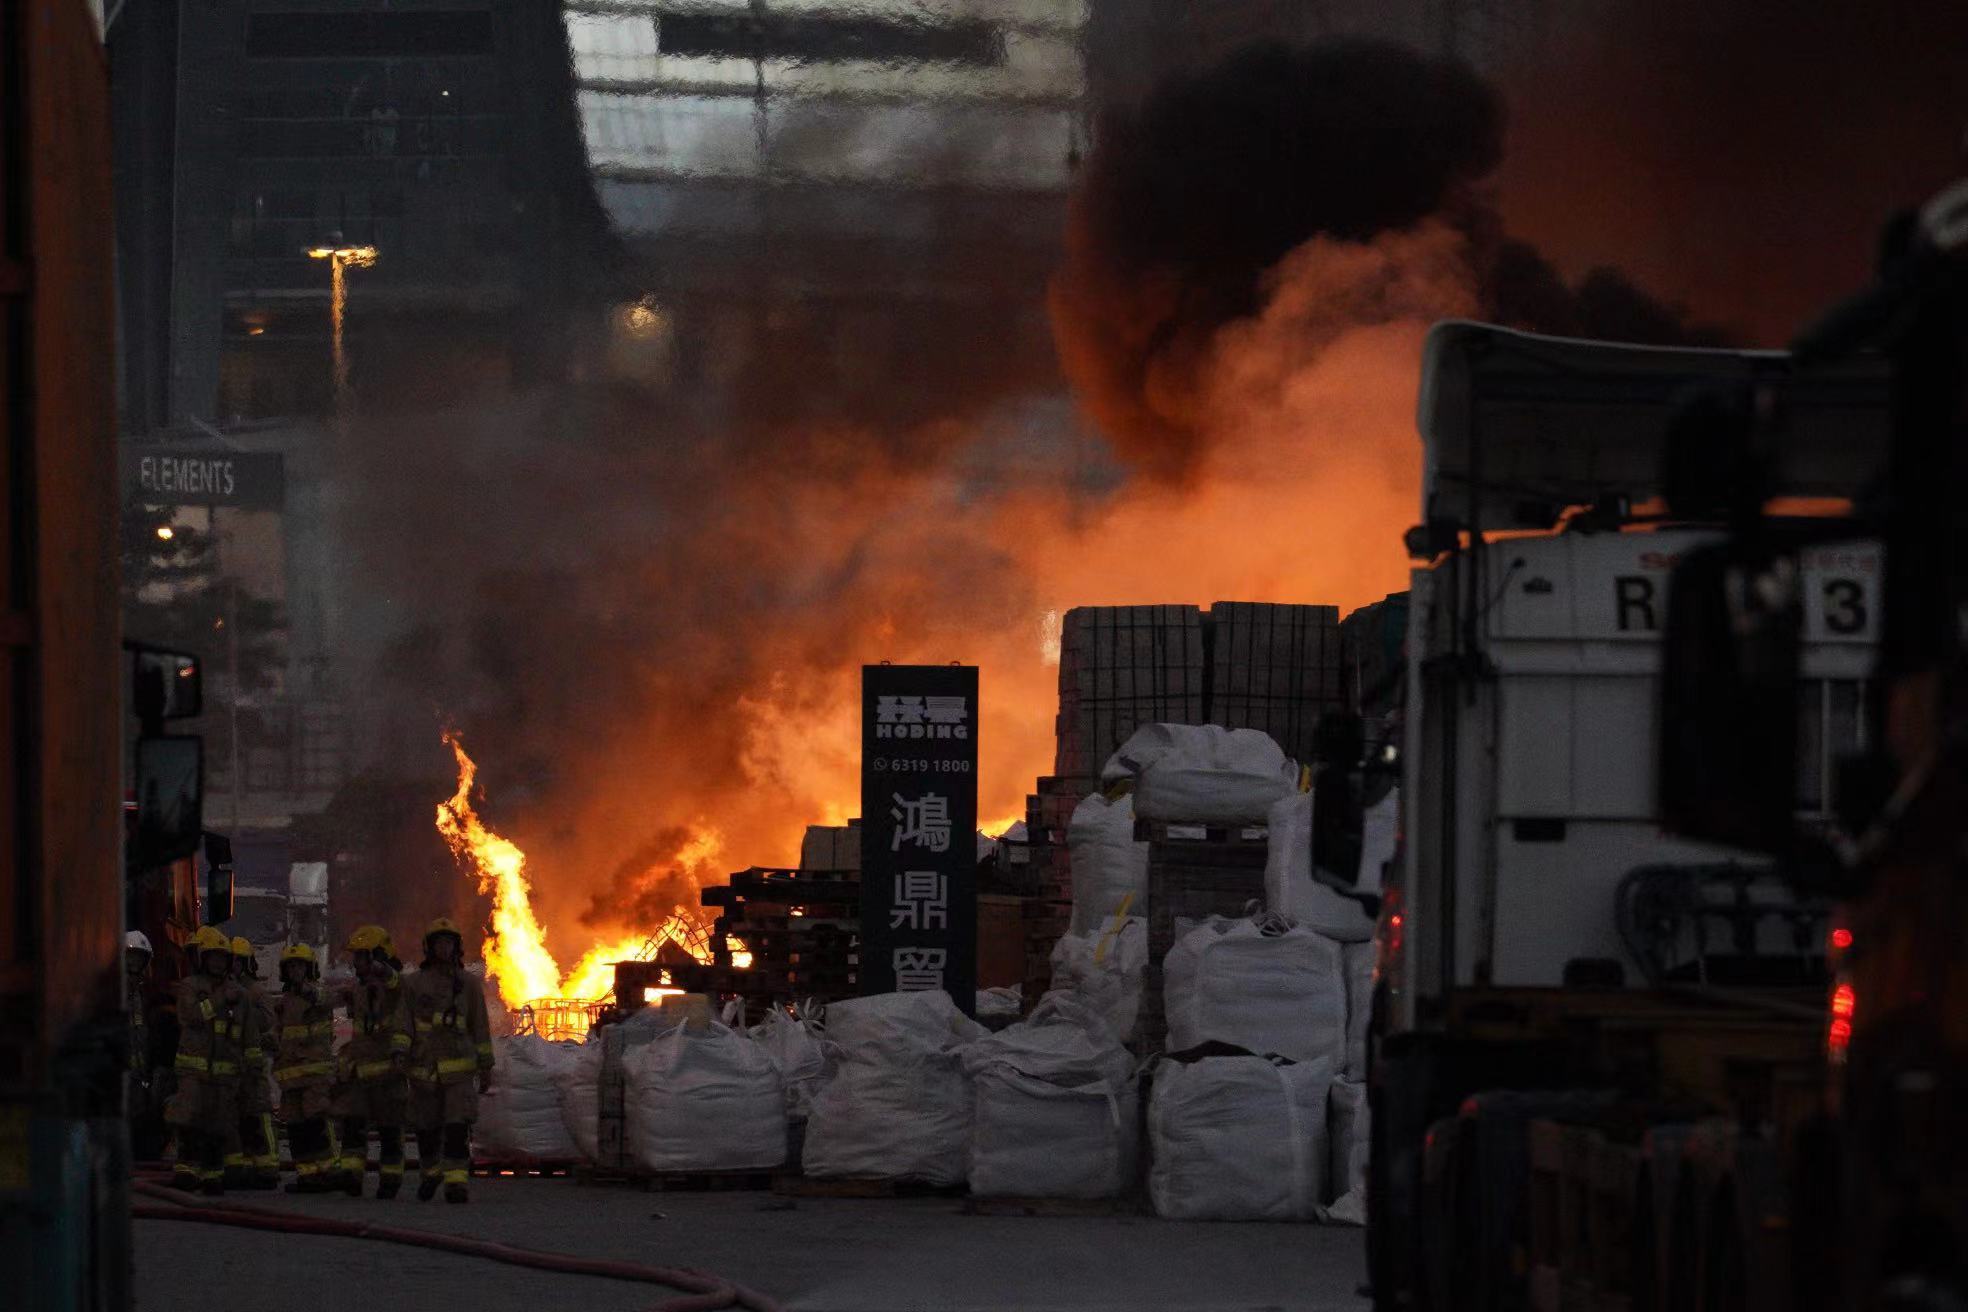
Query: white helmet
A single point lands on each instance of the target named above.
(134, 941)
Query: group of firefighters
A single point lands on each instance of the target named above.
(418, 1055)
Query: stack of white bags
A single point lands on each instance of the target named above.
(1282, 1132)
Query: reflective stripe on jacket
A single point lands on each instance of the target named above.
(450, 1035)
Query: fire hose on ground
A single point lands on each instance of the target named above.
(706, 1292)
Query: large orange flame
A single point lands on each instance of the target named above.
(516, 953)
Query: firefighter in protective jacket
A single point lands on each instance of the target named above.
(253, 1156)
(450, 1059)
(304, 1066)
(216, 1024)
(370, 1089)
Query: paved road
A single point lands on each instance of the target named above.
(815, 1255)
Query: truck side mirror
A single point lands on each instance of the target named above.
(1727, 766)
(170, 788)
(165, 685)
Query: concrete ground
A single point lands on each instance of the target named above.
(816, 1255)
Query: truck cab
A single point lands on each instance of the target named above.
(1551, 962)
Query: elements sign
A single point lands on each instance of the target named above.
(919, 830)
(208, 476)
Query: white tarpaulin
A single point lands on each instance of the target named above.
(1110, 869)
(1103, 971)
(1265, 985)
(577, 1089)
(1238, 1139)
(520, 1118)
(705, 1099)
(1347, 1126)
(796, 1053)
(899, 1103)
(1202, 773)
(1057, 1114)
(1289, 888)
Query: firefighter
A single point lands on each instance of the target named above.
(216, 1024)
(252, 1153)
(450, 1060)
(370, 1088)
(305, 1067)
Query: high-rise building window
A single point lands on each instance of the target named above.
(424, 33)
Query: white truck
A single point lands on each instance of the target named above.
(1589, 1036)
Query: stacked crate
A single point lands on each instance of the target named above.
(1274, 668)
(802, 927)
(1194, 872)
(1121, 667)
(1242, 665)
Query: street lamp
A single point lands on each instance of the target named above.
(340, 258)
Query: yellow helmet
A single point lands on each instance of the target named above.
(370, 938)
(297, 952)
(241, 948)
(208, 939)
(443, 925)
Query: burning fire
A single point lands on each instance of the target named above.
(516, 953)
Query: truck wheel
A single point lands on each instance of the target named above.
(1725, 1273)
(1398, 1097)
(1683, 1246)
(1645, 1279)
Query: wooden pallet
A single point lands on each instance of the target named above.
(809, 1186)
(1177, 832)
(532, 1170)
(1014, 1206)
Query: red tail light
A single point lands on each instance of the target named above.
(1844, 1001)
(1838, 1037)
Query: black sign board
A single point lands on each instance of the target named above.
(203, 476)
(919, 830)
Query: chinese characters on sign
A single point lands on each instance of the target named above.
(924, 821)
(919, 809)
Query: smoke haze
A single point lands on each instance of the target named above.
(646, 612)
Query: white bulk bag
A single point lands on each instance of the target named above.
(1289, 888)
(1357, 964)
(703, 1100)
(796, 1053)
(1238, 1139)
(1102, 971)
(1202, 773)
(1109, 867)
(899, 1023)
(1347, 1126)
(519, 1119)
(899, 1103)
(577, 1089)
(1057, 1111)
(1265, 985)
